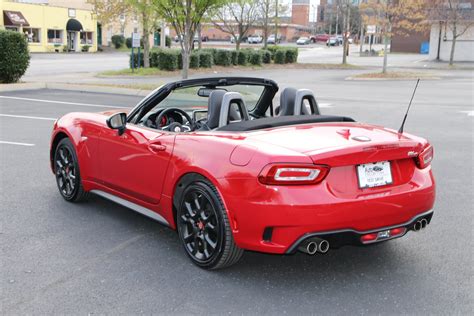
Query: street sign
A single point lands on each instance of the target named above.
(135, 39)
(371, 29)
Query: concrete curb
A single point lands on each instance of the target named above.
(390, 79)
(72, 87)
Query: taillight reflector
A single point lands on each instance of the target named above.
(276, 174)
(424, 159)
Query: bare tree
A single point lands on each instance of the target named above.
(398, 16)
(148, 18)
(236, 18)
(185, 17)
(458, 16)
(266, 10)
(107, 11)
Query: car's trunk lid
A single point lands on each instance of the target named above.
(342, 143)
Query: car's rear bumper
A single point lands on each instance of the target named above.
(275, 219)
(351, 237)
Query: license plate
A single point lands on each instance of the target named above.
(374, 174)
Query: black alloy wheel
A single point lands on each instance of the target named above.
(66, 168)
(204, 228)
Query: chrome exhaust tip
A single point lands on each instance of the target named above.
(308, 247)
(424, 223)
(311, 248)
(418, 226)
(323, 246)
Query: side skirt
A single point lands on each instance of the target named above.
(135, 207)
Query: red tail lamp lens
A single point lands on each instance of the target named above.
(292, 174)
(424, 159)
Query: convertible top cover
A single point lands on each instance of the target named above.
(269, 122)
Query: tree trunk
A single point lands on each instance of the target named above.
(163, 35)
(346, 24)
(199, 37)
(453, 45)
(187, 42)
(385, 54)
(185, 59)
(146, 42)
(237, 43)
(276, 20)
(362, 38)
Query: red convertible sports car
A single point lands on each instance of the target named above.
(214, 159)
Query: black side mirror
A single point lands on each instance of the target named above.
(118, 121)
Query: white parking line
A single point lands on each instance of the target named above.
(469, 113)
(15, 143)
(63, 102)
(29, 117)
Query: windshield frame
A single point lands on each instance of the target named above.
(158, 95)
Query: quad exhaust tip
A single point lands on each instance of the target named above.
(314, 245)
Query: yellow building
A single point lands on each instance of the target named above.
(49, 28)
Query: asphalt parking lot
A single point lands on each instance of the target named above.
(101, 258)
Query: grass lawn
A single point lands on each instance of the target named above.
(136, 72)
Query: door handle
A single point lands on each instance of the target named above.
(157, 147)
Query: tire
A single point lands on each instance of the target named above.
(66, 169)
(204, 228)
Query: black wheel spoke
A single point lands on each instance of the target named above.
(209, 242)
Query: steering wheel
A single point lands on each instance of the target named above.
(175, 126)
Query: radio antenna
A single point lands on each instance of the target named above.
(400, 131)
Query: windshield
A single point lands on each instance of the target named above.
(188, 99)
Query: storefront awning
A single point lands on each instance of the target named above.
(73, 25)
(14, 18)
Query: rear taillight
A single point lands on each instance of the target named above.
(286, 174)
(424, 159)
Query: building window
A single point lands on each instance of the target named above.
(86, 38)
(55, 36)
(11, 28)
(32, 34)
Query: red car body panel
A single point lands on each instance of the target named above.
(145, 166)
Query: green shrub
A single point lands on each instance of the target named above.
(223, 57)
(135, 60)
(205, 59)
(234, 57)
(194, 60)
(243, 57)
(213, 51)
(14, 56)
(266, 56)
(272, 50)
(256, 57)
(180, 60)
(154, 58)
(169, 59)
(280, 56)
(168, 41)
(291, 55)
(118, 41)
(85, 48)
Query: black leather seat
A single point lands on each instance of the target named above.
(287, 102)
(214, 109)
